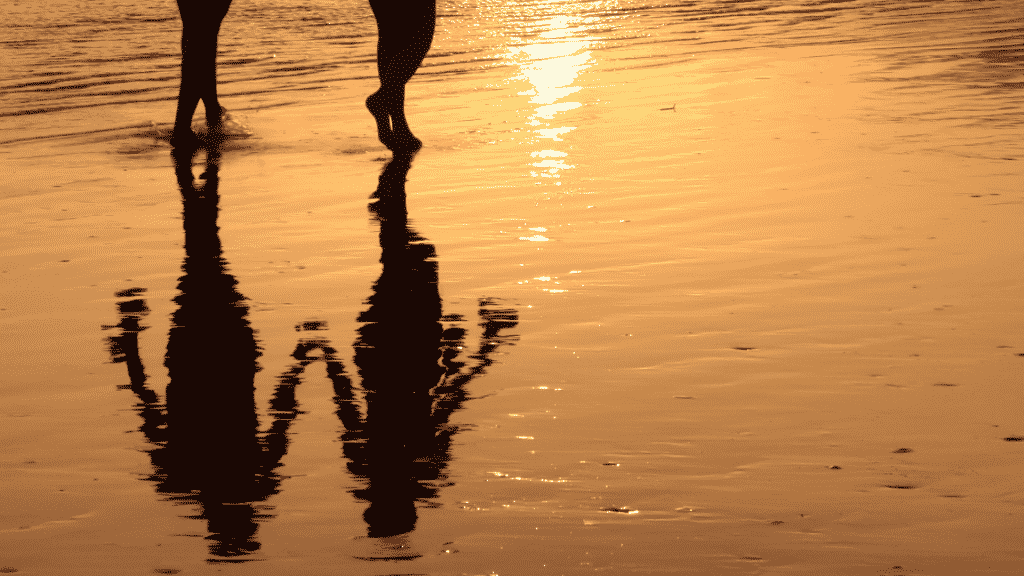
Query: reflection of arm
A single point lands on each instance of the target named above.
(284, 407)
(344, 397)
(124, 347)
(451, 393)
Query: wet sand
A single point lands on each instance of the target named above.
(768, 320)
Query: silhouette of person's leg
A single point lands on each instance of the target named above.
(404, 33)
(200, 25)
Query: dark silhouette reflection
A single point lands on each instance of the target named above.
(405, 30)
(211, 360)
(207, 451)
(200, 26)
(411, 376)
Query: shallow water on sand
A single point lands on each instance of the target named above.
(694, 287)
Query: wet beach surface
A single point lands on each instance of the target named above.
(704, 287)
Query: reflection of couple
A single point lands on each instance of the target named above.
(405, 30)
(208, 450)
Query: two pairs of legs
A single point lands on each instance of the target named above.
(405, 30)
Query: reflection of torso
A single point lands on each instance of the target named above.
(398, 348)
(211, 359)
(212, 455)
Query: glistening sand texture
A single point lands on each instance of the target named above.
(811, 261)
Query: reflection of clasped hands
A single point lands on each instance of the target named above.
(405, 31)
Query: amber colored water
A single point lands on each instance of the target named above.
(685, 288)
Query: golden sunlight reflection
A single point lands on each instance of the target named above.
(551, 63)
(550, 164)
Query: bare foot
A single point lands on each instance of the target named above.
(215, 122)
(376, 105)
(403, 142)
